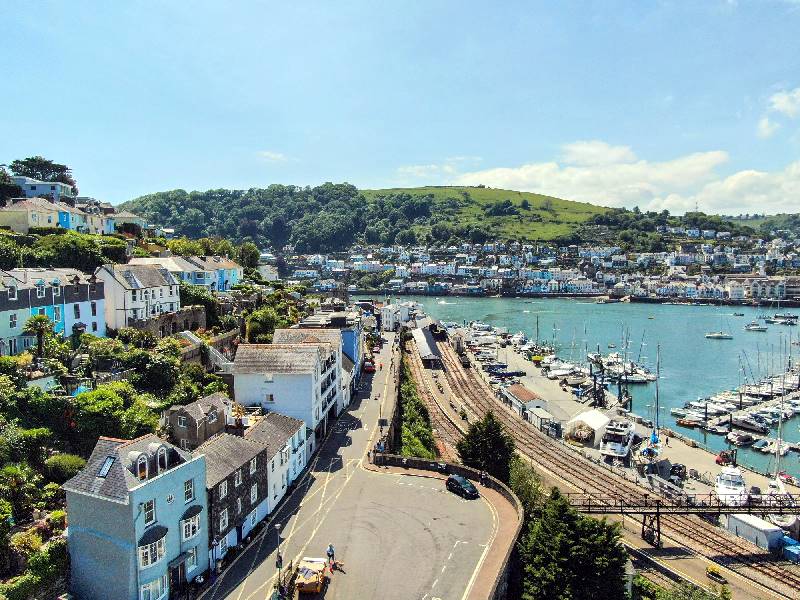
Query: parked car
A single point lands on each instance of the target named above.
(462, 486)
(369, 366)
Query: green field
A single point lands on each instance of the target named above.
(546, 218)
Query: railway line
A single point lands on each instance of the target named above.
(444, 432)
(701, 536)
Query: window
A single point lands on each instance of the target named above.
(103, 472)
(191, 559)
(252, 518)
(56, 313)
(252, 465)
(133, 295)
(76, 308)
(43, 311)
(253, 493)
(223, 520)
(12, 293)
(56, 289)
(270, 398)
(181, 421)
(272, 465)
(223, 546)
(94, 326)
(188, 491)
(212, 416)
(191, 527)
(150, 554)
(141, 468)
(162, 459)
(39, 290)
(149, 510)
(12, 321)
(94, 309)
(223, 489)
(157, 589)
(274, 490)
(238, 506)
(237, 478)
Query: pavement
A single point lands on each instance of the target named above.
(398, 535)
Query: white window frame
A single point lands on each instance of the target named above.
(152, 511)
(56, 290)
(252, 517)
(40, 291)
(253, 465)
(190, 528)
(182, 421)
(237, 478)
(152, 554)
(188, 491)
(212, 416)
(223, 520)
(191, 559)
(12, 321)
(162, 451)
(254, 493)
(146, 590)
(12, 292)
(223, 489)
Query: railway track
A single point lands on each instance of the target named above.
(444, 432)
(704, 538)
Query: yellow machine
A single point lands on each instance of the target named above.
(311, 576)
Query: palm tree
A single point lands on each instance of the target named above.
(19, 484)
(40, 326)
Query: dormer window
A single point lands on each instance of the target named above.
(12, 293)
(40, 290)
(162, 459)
(56, 289)
(212, 416)
(141, 468)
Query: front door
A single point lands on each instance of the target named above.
(177, 580)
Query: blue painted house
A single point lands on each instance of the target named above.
(226, 273)
(138, 521)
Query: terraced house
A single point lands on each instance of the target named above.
(138, 520)
(72, 300)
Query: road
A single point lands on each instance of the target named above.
(398, 536)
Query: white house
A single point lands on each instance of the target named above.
(333, 337)
(298, 380)
(136, 292)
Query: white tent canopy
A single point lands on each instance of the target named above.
(594, 419)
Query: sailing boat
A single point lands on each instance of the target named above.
(777, 493)
(719, 335)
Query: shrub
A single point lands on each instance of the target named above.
(61, 467)
(51, 562)
(57, 520)
(24, 587)
(26, 542)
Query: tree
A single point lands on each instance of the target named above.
(8, 189)
(488, 446)
(61, 467)
(43, 169)
(197, 295)
(249, 255)
(566, 555)
(19, 484)
(261, 324)
(41, 326)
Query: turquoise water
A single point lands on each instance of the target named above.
(691, 365)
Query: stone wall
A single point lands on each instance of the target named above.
(166, 324)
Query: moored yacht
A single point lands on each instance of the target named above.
(730, 487)
(755, 326)
(618, 439)
(719, 335)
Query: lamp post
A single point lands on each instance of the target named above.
(278, 558)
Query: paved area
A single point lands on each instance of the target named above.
(398, 536)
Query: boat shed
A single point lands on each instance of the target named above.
(538, 416)
(520, 398)
(593, 420)
(428, 351)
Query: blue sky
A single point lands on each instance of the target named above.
(656, 104)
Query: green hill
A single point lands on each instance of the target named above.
(331, 217)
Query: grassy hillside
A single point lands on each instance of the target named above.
(541, 218)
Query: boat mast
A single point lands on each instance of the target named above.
(658, 376)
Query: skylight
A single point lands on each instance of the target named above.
(106, 466)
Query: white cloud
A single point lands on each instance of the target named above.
(766, 127)
(786, 102)
(273, 157)
(675, 184)
(449, 167)
(595, 153)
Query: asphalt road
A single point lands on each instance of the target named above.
(399, 537)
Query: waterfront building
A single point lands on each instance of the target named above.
(298, 380)
(189, 425)
(138, 520)
(237, 472)
(137, 293)
(72, 300)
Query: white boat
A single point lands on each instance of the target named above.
(718, 335)
(618, 438)
(519, 339)
(754, 326)
(730, 487)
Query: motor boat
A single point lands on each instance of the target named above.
(740, 438)
(755, 326)
(718, 335)
(730, 487)
(749, 423)
(618, 439)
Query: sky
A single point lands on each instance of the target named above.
(656, 104)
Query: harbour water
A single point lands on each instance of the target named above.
(692, 366)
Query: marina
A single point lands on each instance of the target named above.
(693, 368)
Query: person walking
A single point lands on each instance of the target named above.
(331, 552)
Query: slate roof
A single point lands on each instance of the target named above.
(119, 479)
(279, 358)
(31, 204)
(29, 277)
(200, 408)
(224, 454)
(274, 431)
(300, 335)
(212, 263)
(173, 264)
(133, 277)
